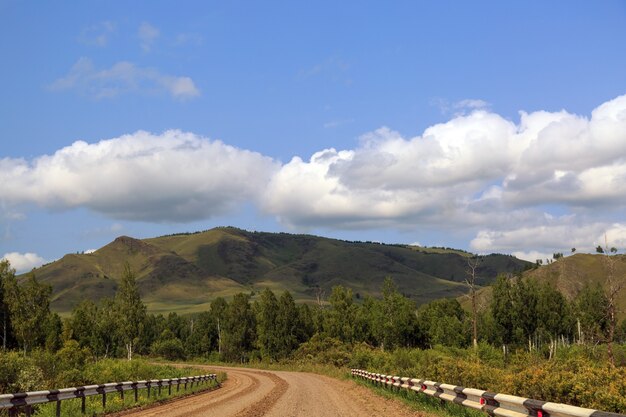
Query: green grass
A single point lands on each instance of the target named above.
(569, 275)
(420, 402)
(115, 403)
(182, 273)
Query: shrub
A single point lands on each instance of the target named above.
(170, 349)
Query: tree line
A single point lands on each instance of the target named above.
(522, 314)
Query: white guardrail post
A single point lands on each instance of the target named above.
(26, 400)
(494, 404)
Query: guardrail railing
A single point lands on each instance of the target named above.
(25, 400)
(492, 403)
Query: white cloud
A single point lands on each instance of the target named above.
(123, 77)
(553, 235)
(172, 177)
(147, 36)
(548, 182)
(478, 173)
(24, 262)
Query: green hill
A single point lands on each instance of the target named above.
(570, 275)
(184, 272)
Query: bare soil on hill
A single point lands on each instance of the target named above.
(255, 393)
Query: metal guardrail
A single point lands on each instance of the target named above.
(494, 404)
(25, 400)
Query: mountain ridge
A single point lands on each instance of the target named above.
(183, 272)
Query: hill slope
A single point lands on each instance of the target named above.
(184, 272)
(570, 275)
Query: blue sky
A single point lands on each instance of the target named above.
(383, 121)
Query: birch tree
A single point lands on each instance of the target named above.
(131, 311)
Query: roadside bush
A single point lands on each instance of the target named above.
(170, 349)
(324, 350)
(19, 373)
(365, 357)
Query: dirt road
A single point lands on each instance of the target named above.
(252, 393)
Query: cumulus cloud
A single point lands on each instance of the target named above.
(478, 172)
(546, 182)
(123, 77)
(172, 177)
(554, 235)
(24, 262)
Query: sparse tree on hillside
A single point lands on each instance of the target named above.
(131, 311)
(591, 314)
(613, 287)
(470, 280)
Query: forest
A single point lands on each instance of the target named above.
(527, 329)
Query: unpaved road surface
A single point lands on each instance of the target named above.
(250, 392)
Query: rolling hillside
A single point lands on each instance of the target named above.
(184, 272)
(569, 275)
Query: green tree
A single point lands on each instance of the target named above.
(168, 345)
(82, 323)
(267, 325)
(554, 313)
(131, 311)
(525, 302)
(203, 339)
(394, 322)
(53, 332)
(306, 323)
(339, 320)
(502, 311)
(6, 332)
(29, 307)
(219, 307)
(286, 325)
(106, 337)
(364, 328)
(472, 284)
(442, 323)
(591, 314)
(239, 329)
